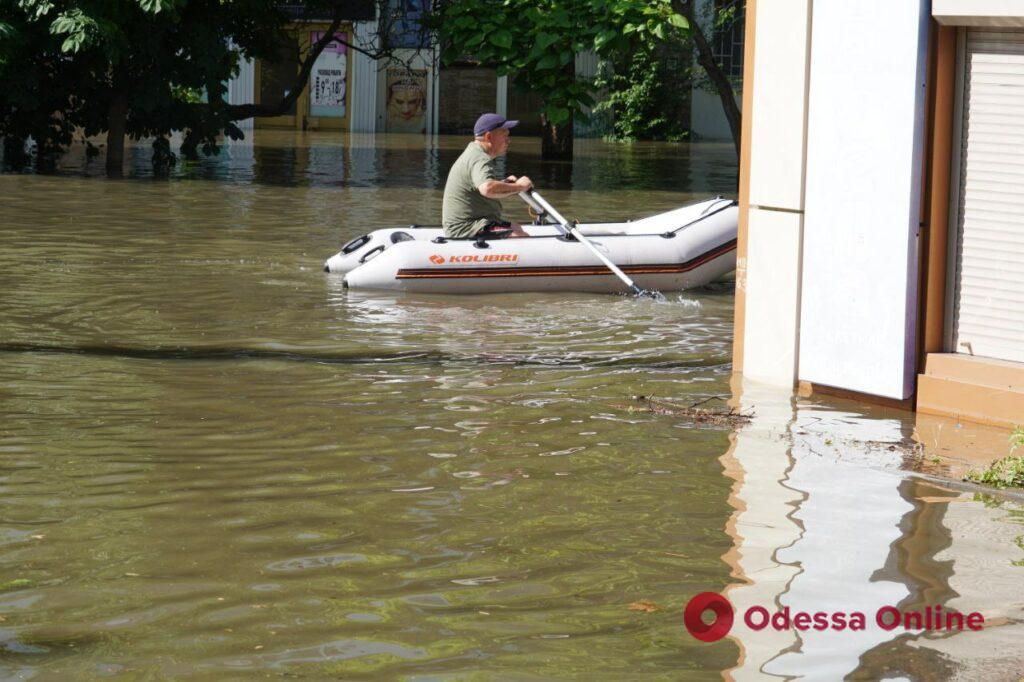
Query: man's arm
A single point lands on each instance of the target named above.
(497, 189)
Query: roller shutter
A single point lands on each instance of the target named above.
(988, 303)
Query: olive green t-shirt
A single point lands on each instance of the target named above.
(464, 210)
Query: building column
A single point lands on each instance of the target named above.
(772, 168)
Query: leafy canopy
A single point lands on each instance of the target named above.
(536, 41)
(65, 64)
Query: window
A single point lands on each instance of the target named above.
(727, 37)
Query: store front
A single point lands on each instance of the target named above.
(973, 366)
(987, 281)
(325, 103)
(882, 204)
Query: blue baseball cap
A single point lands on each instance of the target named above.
(489, 122)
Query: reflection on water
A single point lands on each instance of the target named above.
(821, 525)
(215, 462)
(411, 161)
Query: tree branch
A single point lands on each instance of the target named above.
(242, 111)
(382, 51)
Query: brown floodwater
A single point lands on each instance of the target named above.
(217, 463)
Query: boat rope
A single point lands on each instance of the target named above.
(706, 213)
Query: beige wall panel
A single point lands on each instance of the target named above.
(773, 296)
(780, 104)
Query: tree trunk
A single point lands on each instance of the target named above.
(555, 140)
(14, 152)
(117, 118)
(706, 57)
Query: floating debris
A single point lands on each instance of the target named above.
(16, 584)
(693, 412)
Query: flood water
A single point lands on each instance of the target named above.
(217, 463)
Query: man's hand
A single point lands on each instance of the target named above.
(523, 182)
(511, 178)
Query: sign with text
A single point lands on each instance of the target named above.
(328, 81)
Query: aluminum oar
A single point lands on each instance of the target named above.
(541, 206)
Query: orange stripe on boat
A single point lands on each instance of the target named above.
(565, 270)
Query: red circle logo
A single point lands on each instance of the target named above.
(716, 629)
(437, 259)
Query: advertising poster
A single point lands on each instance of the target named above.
(327, 85)
(406, 100)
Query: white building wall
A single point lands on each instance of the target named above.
(865, 136)
(775, 219)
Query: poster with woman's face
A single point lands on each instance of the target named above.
(407, 100)
(327, 83)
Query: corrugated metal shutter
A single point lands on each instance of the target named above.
(364, 80)
(240, 89)
(989, 295)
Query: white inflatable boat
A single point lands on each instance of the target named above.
(688, 247)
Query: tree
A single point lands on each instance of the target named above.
(145, 68)
(706, 58)
(644, 92)
(645, 95)
(536, 42)
(124, 67)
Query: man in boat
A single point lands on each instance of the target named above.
(472, 194)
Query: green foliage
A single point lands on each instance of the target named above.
(725, 15)
(66, 64)
(536, 41)
(714, 19)
(1006, 472)
(637, 103)
(1016, 438)
(16, 584)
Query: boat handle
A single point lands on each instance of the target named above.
(371, 252)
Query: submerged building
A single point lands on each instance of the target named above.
(348, 89)
(882, 203)
(410, 91)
